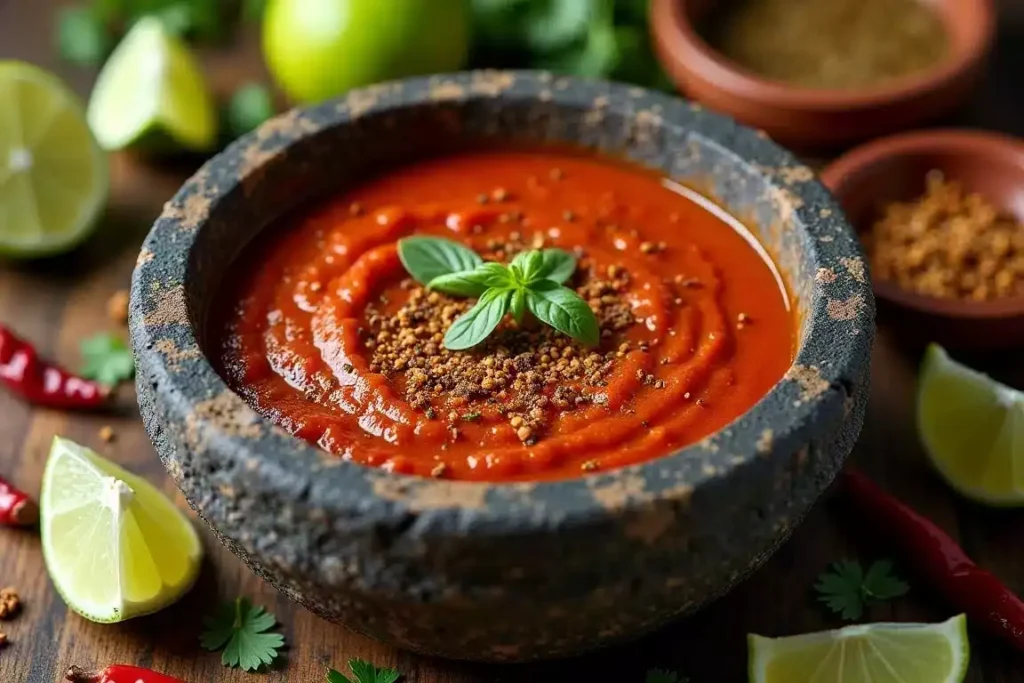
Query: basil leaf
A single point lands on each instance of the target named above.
(558, 265)
(475, 325)
(527, 265)
(426, 258)
(564, 310)
(556, 24)
(473, 282)
(519, 304)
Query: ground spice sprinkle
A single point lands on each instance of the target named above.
(507, 374)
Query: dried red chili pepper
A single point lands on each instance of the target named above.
(118, 673)
(16, 508)
(930, 551)
(42, 383)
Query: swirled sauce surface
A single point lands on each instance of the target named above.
(322, 330)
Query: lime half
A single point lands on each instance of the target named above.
(115, 547)
(53, 175)
(868, 653)
(151, 93)
(973, 430)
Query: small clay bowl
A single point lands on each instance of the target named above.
(894, 169)
(482, 571)
(807, 118)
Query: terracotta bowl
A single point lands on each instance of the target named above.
(894, 169)
(500, 571)
(806, 118)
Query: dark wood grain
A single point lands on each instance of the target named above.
(57, 302)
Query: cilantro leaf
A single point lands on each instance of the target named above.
(663, 676)
(108, 359)
(364, 672)
(82, 37)
(240, 629)
(847, 589)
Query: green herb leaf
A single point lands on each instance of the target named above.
(364, 672)
(559, 265)
(556, 24)
(527, 266)
(473, 282)
(881, 584)
(82, 37)
(564, 310)
(663, 676)
(252, 10)
(846, 589)
(426, 258)
(241, 630)
(108, 359)
(475, 325)
(199, 19)
(250, 106)
(518, 305)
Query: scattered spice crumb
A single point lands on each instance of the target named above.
(107, 433)
(10, 603)
(499, 194)
(568, 216)
(557, 174)
(589, 466)
(117, 307)
(439, 470)
(355, 209)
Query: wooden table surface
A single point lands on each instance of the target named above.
(56, 303)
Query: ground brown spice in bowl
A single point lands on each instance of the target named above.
(948, 243)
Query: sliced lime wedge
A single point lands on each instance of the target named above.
(115, 547)
(973, 430)
(53, 175)
(867, 653)
(150, 92)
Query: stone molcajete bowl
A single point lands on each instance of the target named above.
(500, 572)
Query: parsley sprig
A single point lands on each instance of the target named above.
(532, 282)
(847, 589)
(108, 359)
(240, 629)
(663, 676)
(364, 673)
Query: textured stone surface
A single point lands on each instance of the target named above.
(485, 571)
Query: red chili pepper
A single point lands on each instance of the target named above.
(118, 673)
(16, 508)
(931, 552)
(42, 383)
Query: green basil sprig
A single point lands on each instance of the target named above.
(532, 282)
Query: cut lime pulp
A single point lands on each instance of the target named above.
(115, 547)
(867, 653)
(151, 93)
(53, 175)
(973, 430)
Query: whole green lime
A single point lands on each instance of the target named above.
(316, 49)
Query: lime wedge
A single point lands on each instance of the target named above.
(53, 175)
(151, 93)
(868, 653)
(973, 430)
(115, 547)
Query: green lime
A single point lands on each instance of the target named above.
(53, 176)
(115, 547)
(973, 430)
(316, 49)
(151, 92)
(867, 653)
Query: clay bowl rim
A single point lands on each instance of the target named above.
(815, 391)
(688, 51)
(878, 153)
